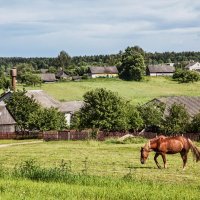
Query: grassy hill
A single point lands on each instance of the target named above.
(136, 92)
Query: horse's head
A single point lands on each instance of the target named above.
(144, 153)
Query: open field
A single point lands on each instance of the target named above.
(136, 92)
(105, 165)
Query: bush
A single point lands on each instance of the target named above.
(195, 124)
(186, 76)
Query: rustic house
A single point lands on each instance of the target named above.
(61, 75)
(192, 104)
(48, 77)
(96, 72)
(160, 70)
(68, 108)
(43, 98)
(7, 122)
(193, 66)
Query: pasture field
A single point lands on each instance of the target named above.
(136, 92)
(99, 170)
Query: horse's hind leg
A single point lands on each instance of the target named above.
(155, 159)
(184, 157)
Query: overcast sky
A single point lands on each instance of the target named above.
(88, 27)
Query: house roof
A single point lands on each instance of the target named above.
(192, 104)
(161, 68)
(5, 116)
(191, 64)
(104, 70)
(71, 106)
(48, 77)
(61, 74)
(43, 98)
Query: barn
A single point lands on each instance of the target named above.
(160, 70)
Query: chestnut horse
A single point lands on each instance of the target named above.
(169, 145)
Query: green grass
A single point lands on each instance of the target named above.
(106, 164)
(136, 92)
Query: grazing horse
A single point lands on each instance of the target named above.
(169, 145)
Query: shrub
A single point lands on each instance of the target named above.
(186, 76)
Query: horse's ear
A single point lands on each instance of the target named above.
(141, 148)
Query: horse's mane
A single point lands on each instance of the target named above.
(147, 146)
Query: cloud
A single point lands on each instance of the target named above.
(93, 27)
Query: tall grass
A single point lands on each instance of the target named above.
(31, 181)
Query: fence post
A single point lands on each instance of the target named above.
(68, 135)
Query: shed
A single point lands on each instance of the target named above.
(110, 71)
(160, 70)
(7, 121)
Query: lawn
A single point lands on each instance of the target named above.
(111, 171)
(136, 92)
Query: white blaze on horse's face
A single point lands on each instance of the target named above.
(144, 155)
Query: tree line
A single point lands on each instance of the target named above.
(65, 60)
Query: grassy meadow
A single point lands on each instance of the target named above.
(136, 92)
(97, 170)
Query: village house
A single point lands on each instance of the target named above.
(160, 70)
(97, 72)
(193, 66)
(47, 77)
(61, 75)
(46, 101)
(192, 104)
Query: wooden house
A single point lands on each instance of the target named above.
(48, 77)
(61, 75)
(97, 72)
(160, 70)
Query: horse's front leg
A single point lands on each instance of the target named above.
(164, 160)
(155, 159)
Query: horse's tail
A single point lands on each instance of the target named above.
(195, 150)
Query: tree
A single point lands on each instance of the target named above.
(135, 120)
(177, 120)
(64, 59)
(30, 79)
(46, 119)
(103, 110)
(5, 83)
(21, 107)
(132, 67)
(152, 115)
(186, 76)
(195, 124)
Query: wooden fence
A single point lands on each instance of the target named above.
(81, 135)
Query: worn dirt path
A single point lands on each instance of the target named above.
(20, 143)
